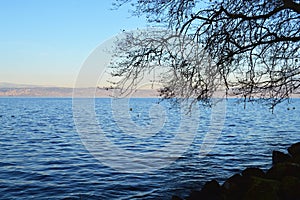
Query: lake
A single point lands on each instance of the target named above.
(44, 155)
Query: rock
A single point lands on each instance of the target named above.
(252, 171)
(290, 188)
(279, 157)
(235, 186)
(281, 181)
(176, 198)
(281, 170)
(211, 190)
(194, 195)
(263, 189)
(296, 159)
(232, 182)
(211, 187)
(294, 150)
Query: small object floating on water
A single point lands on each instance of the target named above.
(130, 109)
(294, 108)
(12, 116)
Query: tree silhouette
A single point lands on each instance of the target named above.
(249, 48)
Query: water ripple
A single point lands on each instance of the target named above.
(42, 156)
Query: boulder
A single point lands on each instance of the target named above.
(281, 181)
(176, 198)
(211, 190)
(263, 189)
(296, 159)
(279, 157)
(252, 171)
(235, 186)
(194, 195)
(294, 150)
(281, 170)
(290, 188)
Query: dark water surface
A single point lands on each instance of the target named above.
(42, 156)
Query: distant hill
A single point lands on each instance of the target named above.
(23, 90)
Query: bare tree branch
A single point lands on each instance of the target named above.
(251, 48)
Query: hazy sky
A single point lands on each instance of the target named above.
(45, 42)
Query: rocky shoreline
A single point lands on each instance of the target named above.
(281, 181)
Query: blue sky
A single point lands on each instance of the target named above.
(45, 42)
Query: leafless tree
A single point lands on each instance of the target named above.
(249, 48)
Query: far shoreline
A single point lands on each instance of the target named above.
(96, 92)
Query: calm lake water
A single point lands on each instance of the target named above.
(42, 155)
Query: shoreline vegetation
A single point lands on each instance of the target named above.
(281, 181)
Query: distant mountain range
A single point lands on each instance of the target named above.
(24, 90)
